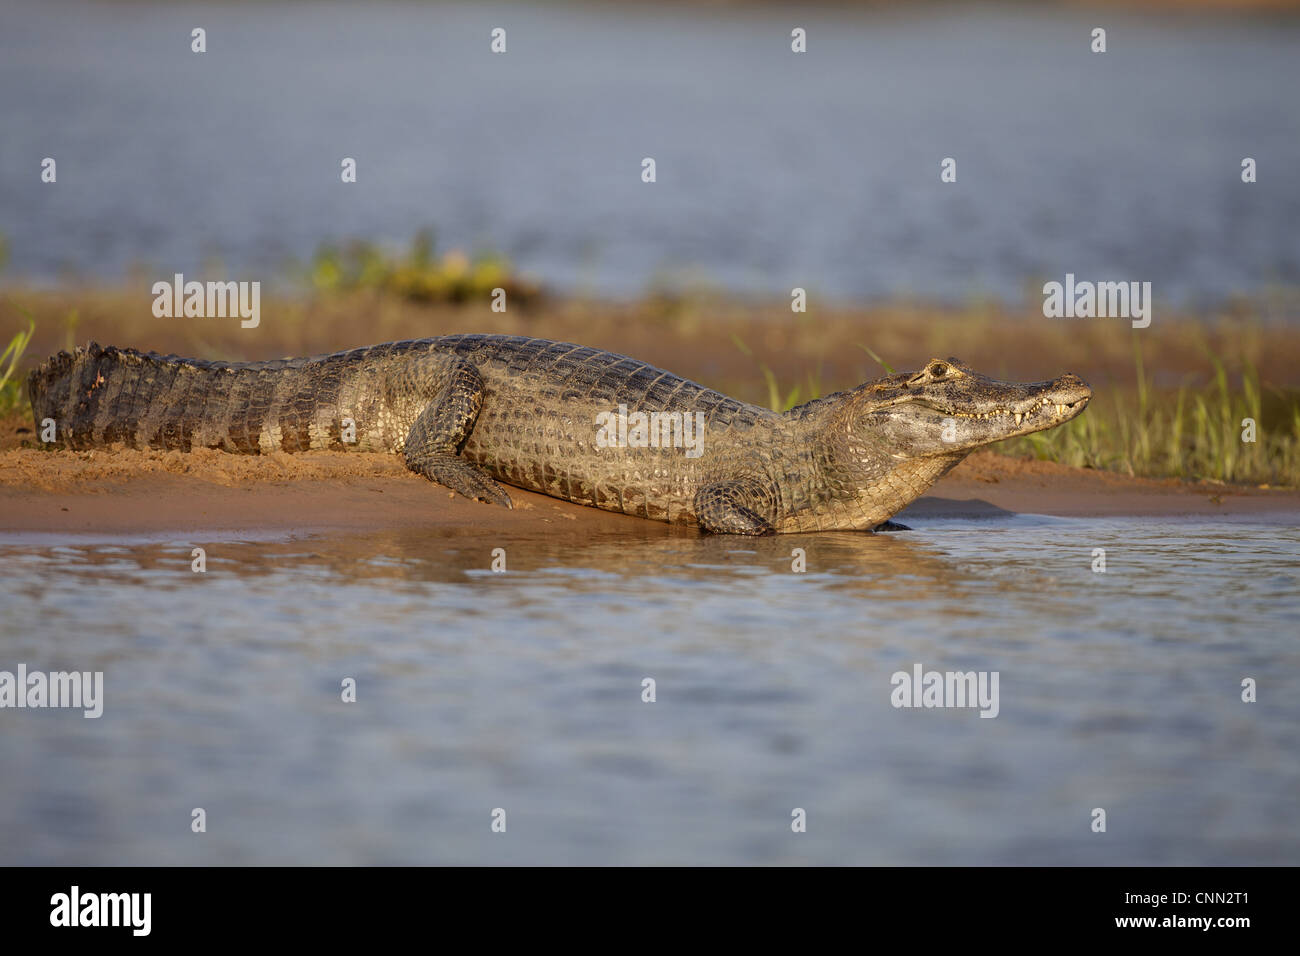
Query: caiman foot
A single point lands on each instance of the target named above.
(461, 477)
(890, 526)
(732, 507)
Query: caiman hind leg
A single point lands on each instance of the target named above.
(737, 506)
(439, 432)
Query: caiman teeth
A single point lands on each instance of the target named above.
(1043, 405)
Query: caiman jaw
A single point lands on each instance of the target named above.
(1024, 417)
(948, 409)
(994, 418)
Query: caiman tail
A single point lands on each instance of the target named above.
(99, 396)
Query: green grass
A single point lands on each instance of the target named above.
(12, 394)
(778, 400)
(417, 275)
(1194, 433)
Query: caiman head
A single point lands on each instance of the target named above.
(948, 409)
(883, 444)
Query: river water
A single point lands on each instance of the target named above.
(523, 690)
(774, 169)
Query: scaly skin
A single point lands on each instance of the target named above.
(470, 411)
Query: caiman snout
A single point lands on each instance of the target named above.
(956, 412)
(1071, 391)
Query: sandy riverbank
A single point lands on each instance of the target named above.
(151, 492)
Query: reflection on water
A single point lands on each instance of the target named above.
(522, 690)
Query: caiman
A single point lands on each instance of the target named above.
(471, 412)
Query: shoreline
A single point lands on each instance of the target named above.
(151, 493)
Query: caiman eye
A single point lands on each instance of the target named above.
(938, 371)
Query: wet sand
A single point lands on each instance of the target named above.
(151, 492)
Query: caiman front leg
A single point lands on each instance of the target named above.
(440, 431)
(737, 506)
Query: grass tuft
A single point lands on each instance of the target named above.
(776, 399)
(418, 275)
(1164, 435)
(12, 394)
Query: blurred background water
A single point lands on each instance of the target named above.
(523, 690)
(775, 170)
